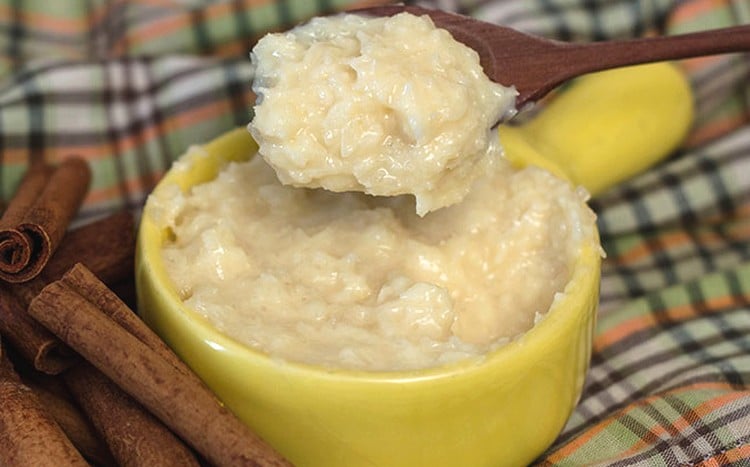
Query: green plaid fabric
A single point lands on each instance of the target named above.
(131, 85)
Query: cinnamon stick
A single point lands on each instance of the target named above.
(191, 410)
(134, 436)
(31, 340)
(28, 434)
(106, 246)
(15, 249)
(36, 221)
(121, 420)
(86, 284)
(72, 422)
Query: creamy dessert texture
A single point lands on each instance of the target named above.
(386, 106)
(355, 281)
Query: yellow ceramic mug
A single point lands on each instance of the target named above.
(505, 408)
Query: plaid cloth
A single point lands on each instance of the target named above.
(131, 85)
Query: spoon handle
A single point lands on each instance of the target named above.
(631, 52)
(569, 60)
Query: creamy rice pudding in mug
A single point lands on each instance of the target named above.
(291, 254)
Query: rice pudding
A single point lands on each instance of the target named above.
(386, 106)
(349, 280)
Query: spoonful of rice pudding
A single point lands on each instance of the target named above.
(382, 105)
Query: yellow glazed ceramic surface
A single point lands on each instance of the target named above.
(607, 126)
(503, 409)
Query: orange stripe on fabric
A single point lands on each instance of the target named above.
(205, 112)
(660, 432)
(197, 115)
(237, 48)
(739, 453)
(677, 313)
(742, 231)
(668, 240)
(92, 152)
(19, 155)
(676, 239)
(716, 128)
(134, 185)
(715, 403)
(687, 420)
(657, 433)
(577, 443)
(702, 410)
(102, 151)
(182, 20)
(57, 25)
(731, 456)
(693, 65)
(646, 249)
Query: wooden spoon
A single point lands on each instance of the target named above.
(536, 65)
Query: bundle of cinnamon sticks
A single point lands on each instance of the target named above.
(82, 378)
